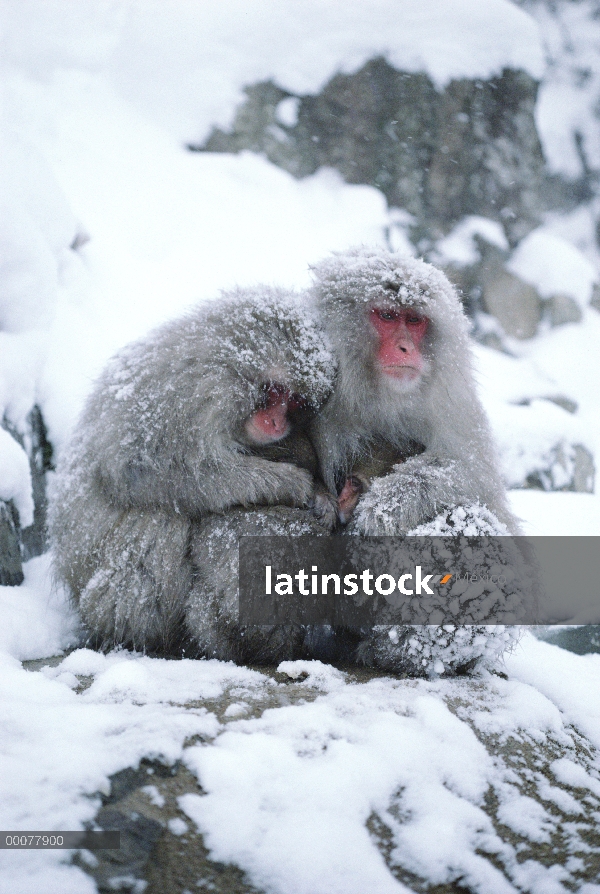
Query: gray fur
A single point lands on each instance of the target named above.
(442, 412)
(161, 445)
(211, 614)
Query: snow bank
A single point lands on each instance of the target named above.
(167, 229)
(554, 266)
(569, 93)
(36, 617)
(459, 246)
(532, 432)
(185, 61)
(15, 477)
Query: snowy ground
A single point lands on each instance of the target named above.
(98, 99)
(346, 787)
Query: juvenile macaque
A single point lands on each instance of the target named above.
(379, 461)
(405, 381)
(208, 412)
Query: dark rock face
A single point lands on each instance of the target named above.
(11, 571)
(470, 149)
(39, 450)
(18, 544)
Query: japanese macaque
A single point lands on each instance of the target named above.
(404, 439)
(405, 384)
(208, 412)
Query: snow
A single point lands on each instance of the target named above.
(15, 483)
(367, 747)
(569, 91)
(518, 394)
(36, 618)
(459, 246)
(167, 228)
(97, 101)
(556, 514)
(554, 267)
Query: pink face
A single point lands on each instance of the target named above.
(400, 332)
(270, 423)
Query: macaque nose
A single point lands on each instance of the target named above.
(277, 419)
(404, 340)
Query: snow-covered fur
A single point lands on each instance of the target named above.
(434, 650)
(453, 486)
(211, 613)
(161, 444)
(478, 542)
(442, 412)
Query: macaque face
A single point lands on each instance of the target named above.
(400, 331)
(270, 422)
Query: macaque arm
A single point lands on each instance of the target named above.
(414, 492)
(231, 479)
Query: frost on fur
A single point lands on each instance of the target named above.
(433, 650)
(460, 541)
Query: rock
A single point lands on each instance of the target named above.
(20, 544)
(162, 850)
(563, 309)
(152, 858)
(583, 640)
(471, 148)
(583, 470)
(11, 570)
(566, 403)
(39, 450)
(515, 304)
(570, 467)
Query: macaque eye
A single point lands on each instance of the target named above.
(271, 395)
(296, 402)
(389, 316)
(414, 319)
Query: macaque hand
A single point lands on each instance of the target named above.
(380, 512)
(354, 487)
(410, 495)
(324, 508)
(293, 486)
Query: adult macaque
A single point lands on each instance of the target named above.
(208, 412)
(404, 438)
(405, 384)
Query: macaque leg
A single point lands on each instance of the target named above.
(137, 595)
(212, 611)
